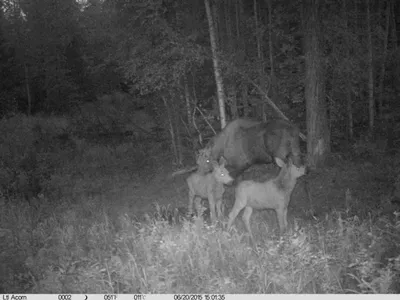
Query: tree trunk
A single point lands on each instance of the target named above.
(394, 30)
(371, 100)
(350, 126)
(232, 100)
(245, 101)
(318, 136)
(187, 101)
(176, 113)
(357, 18)
(217, 72)
(237, 10)
(271, 49)
(228, 26)
(385, 46)
(230, 86)
(178, 138)
(189, 113)
(350, 131)
(28, 90)
(259, 54)
(171, 130)
(260, 58)
(217, 26)
(198, 141)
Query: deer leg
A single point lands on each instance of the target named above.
(211, 201)
(197, 203)
(221, 208)
(285, 210)
(234, 212)
(191, 198)
(285, 217)
(246, 219)
(280, 214)
(218, 202)
(218, 208)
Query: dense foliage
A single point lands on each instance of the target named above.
(58, 54)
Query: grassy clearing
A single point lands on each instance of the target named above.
(79, 249)
(94, 228)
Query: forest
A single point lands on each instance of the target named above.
(103, 102)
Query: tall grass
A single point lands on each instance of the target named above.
(79, 249)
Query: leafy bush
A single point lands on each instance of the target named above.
(30, 149)
(116, 113)
(366, 147)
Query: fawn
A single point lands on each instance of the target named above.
(271, 194)
(210, 186)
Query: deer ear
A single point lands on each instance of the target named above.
(279, 162)
(222, 161)
(214, 164)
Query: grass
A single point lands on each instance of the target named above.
(79, 249)
(108, 221)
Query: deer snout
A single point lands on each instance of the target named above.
(228, 180)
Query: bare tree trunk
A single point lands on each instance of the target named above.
(189, 112)
(271, 48)
(28, 90)
(385, 46)
(217, 28)
(350, 131)
(318, 136)
(357, 18)
(232, 100)
(260, 57)
(237, 10)
(178, 139)
(371, 100)
(217, 72)
(234, 108)
(228, 24)
(171, 130)
(176, 113)
(187, 101)
(350, 112)
(230, 85)
(245, 101)
(394, 29)
(259, 54)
